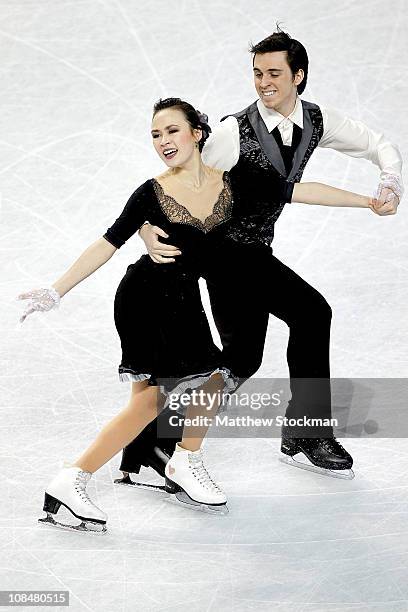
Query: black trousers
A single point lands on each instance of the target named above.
(243, 292)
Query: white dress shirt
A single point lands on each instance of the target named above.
(341, 133)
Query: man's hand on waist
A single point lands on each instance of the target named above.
(158, 251)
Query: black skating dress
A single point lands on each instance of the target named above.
(163, 329)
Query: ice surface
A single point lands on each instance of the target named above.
(78, 83)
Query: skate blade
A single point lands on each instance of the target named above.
(84, 526)
(182, 499)
(305, 464)
(127, 482)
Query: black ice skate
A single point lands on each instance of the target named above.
(157, 460)
(321, 455)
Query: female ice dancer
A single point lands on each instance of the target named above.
(173, 350)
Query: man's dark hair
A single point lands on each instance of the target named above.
(295, 52)
(197, 120)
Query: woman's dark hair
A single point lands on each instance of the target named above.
(197, 120)
(295, 52)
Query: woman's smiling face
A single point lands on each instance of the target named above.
(173, 138)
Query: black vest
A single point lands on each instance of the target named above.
(261, 149)
(266, 168)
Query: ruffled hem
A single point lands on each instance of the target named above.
(184, 385)
(131, 376)
(189, 383)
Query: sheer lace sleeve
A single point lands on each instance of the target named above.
(135, 213)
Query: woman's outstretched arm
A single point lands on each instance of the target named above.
(47, 298)
(325, 195)
(137, 209)
(87, 263)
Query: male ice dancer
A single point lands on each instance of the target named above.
(277, 134)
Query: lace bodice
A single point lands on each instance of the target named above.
(177, 213)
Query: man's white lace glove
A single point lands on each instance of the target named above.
(39, 299)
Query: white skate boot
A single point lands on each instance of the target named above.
(191, 485)
(68, 489)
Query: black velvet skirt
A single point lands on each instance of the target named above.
(164, 332)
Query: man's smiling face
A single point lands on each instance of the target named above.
(274, 81)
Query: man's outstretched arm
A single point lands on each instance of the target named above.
(356, 139)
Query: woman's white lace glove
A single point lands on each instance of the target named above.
(387, 205)
(390, 181)
(39, 299)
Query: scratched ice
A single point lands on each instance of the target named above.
(78, 83)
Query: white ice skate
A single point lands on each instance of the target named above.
(68, 489)
(189, 483)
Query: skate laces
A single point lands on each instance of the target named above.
(200, 472)
(81, 481)
(332, 444)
